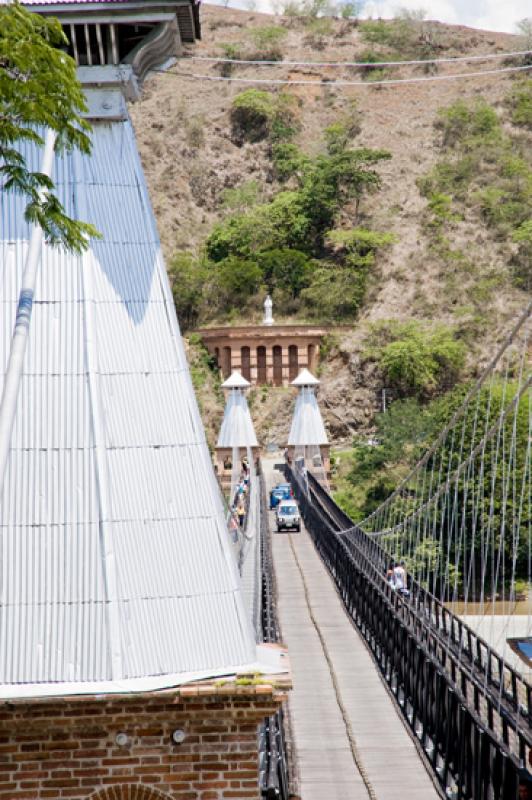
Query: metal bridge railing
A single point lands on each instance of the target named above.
(273, 768)
(507, 687)
(478, 747)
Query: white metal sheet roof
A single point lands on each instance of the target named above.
(237, 428)
(115, 564)
(307, 425)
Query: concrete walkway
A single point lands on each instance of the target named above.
(327, 769)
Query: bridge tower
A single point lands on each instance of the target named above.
(237, 436)
(308, 444)
(120, 591)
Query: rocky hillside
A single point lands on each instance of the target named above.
(455, 259)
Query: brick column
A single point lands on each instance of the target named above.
(302, 356)
(253, 364)
(286, 365)
(269, 364)
(236, 358)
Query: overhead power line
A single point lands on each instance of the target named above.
(334, 83)
(367, 64)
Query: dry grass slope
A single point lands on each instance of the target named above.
(183, 132)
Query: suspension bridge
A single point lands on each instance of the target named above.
(460, 523)
(141, 627)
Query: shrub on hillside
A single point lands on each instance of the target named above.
(461, 122)
(520, 103)
(268, 41)
(416, 360)
(257, 114)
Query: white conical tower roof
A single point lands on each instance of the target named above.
(305, 378)
(237, 428)
(117, 569)
(236, 381)
(307, 425)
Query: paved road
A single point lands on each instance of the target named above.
(326, 764)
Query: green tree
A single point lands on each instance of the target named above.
(286, 269)
(39, 89)
(417, 360)
(188, 277)
(237, 279)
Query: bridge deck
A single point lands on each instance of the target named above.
(325, 760)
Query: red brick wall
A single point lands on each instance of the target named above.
(62, 749)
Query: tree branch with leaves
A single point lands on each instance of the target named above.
(39, 89)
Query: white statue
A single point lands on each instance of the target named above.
(268, 305)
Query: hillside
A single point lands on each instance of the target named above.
(453, 258)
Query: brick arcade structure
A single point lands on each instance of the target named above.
(271, 355)
(59, 748)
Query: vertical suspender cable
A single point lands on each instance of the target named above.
(8, 404)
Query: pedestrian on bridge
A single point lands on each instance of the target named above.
(241, 513)
(400, 579)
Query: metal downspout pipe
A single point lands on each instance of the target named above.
(8, 404)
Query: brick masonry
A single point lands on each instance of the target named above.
(67, 748)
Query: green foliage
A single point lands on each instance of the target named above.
(334, 293)
(287, 269)
(416, 360)
(350, 9)
(241, 197)
(203, 368)
(283, 245)
(39, 89)
(298, 219)
(318, 31)
(288, 160)
(237, 280)
(522, 261)
(483, 168)
(463, 124)
(187, 277)
(257, 115)
(280, 223)
(520, 103)
(268, 40)
(252, 114)
(404, 433)
(339, 134)
(408, 35)
(360, 245)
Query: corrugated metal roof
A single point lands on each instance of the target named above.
(237, 428)
(115, 561)
(307, 425)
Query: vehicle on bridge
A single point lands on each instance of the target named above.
(283, 491)
(287, 516)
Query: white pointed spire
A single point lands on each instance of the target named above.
(307, 425)
(305, 378)
(236, 381)
(237, 427)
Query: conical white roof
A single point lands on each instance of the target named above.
(305, 378)
(237, 428)
(236, 381)
(307, 425)
(117, 571)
